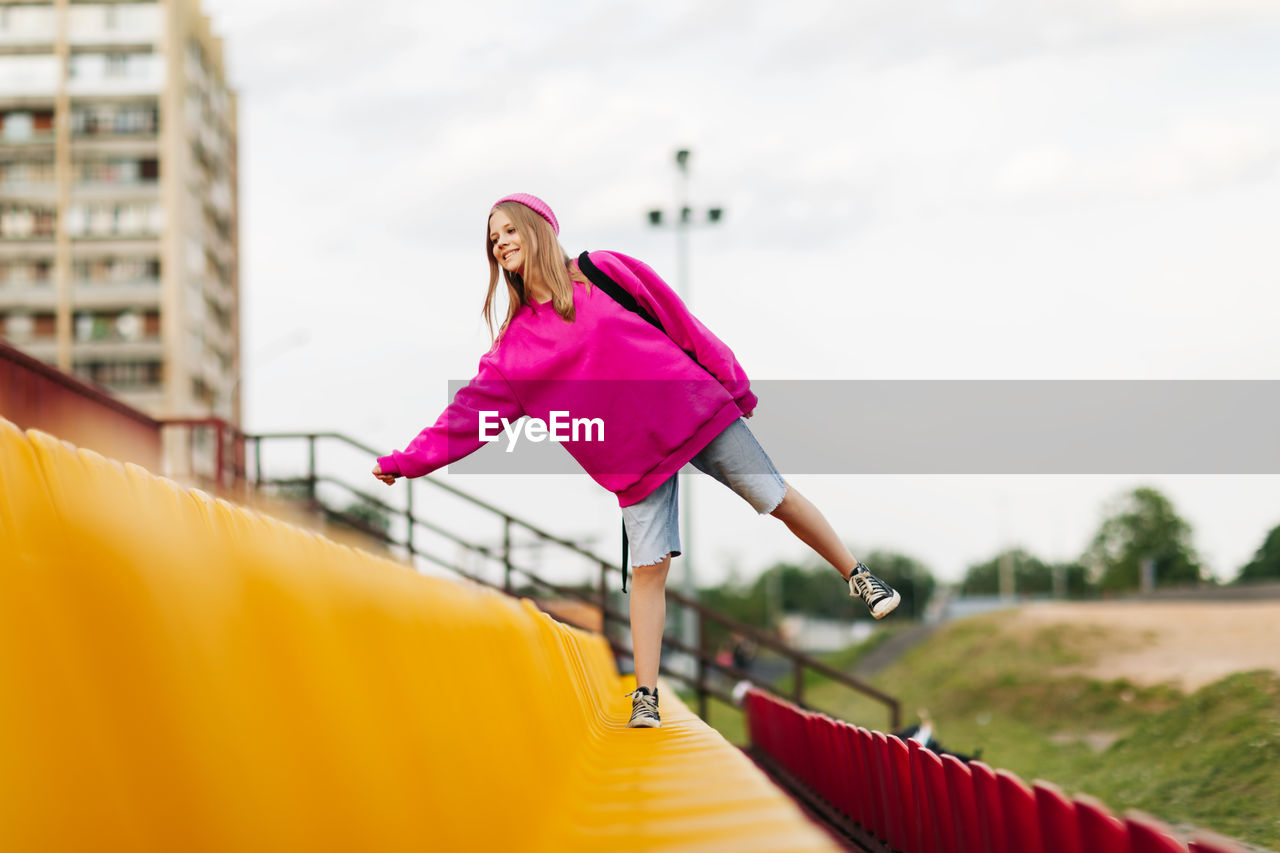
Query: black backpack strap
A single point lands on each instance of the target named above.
(616, 291)
(625, 561)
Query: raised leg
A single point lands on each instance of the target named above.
(812, 528)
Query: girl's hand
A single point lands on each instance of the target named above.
(750, 413)
(386, 478)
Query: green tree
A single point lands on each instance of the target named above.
(1031, 576)
(1142, 525)
(1265, 564)
(816, 590)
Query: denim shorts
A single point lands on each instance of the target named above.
(733, 457)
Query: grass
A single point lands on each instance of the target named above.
(724, 718)
(1211, 759)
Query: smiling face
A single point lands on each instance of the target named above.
(505, 242)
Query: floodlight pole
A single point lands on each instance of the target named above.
(683, 222)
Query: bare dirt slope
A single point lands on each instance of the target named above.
(1190, 644)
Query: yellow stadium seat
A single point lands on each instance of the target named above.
(180, 673)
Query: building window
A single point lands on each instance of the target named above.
(19, 327)
(26, 172)
(114, 120)
(117, 170)
(24, 221)
(117, 65)
(18, 126)
(121, 374)
(127, 325)
(124, 219)
(114, 270)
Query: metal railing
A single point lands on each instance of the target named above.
(242, 466)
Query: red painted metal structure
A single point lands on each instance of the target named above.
(35, 395)
(889, 795)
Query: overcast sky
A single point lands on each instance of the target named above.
(912, 190)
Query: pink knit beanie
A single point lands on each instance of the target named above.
(535, 204)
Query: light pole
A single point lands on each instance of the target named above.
(682, 222)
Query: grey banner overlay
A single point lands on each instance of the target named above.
(996, 427)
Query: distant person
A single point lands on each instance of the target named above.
(744, 653)
(567, 345)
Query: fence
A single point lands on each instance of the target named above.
(315, 467)
(888, 794)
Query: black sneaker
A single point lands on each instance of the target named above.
(644, 709)
(881, 598)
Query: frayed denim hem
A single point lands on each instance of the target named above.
(770, 510)
(655, 562)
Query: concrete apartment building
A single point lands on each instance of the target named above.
(118, 200)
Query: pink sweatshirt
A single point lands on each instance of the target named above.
(658, 407)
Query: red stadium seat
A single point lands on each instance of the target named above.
(816, 758)
(884, 785)
(850, 781)
(901, 795)
(964, 809)
(791, 725)
(941, 824)
(990, 811)
(1057, 818)
(1022, 826)
(864, 766)
(920, 814)
(1100, 831)
(836, 772)
(1148, 835)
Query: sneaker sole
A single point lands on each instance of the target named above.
(885, 607)
(645, 724)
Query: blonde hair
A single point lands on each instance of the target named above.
(543, 254)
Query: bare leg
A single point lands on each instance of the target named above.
(648, 618)
(813, 529)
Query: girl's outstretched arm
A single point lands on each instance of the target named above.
(456, 433)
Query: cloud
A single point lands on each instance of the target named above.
(889, 33)
(1194, 155)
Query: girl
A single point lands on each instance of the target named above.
(664, 397)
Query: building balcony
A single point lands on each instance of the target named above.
(84, 246)
(121, 190)
(29, 74)
(30, 296)
(117, 350)
(115, 295)
(28, 24)
(220, 294)
(40, 192)
(132, 24)
(36, 139)
(91, 87)
(24, 243)
(118, 144)
(219, 339)
(13, 46)
(45, 349)
(106, 40)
